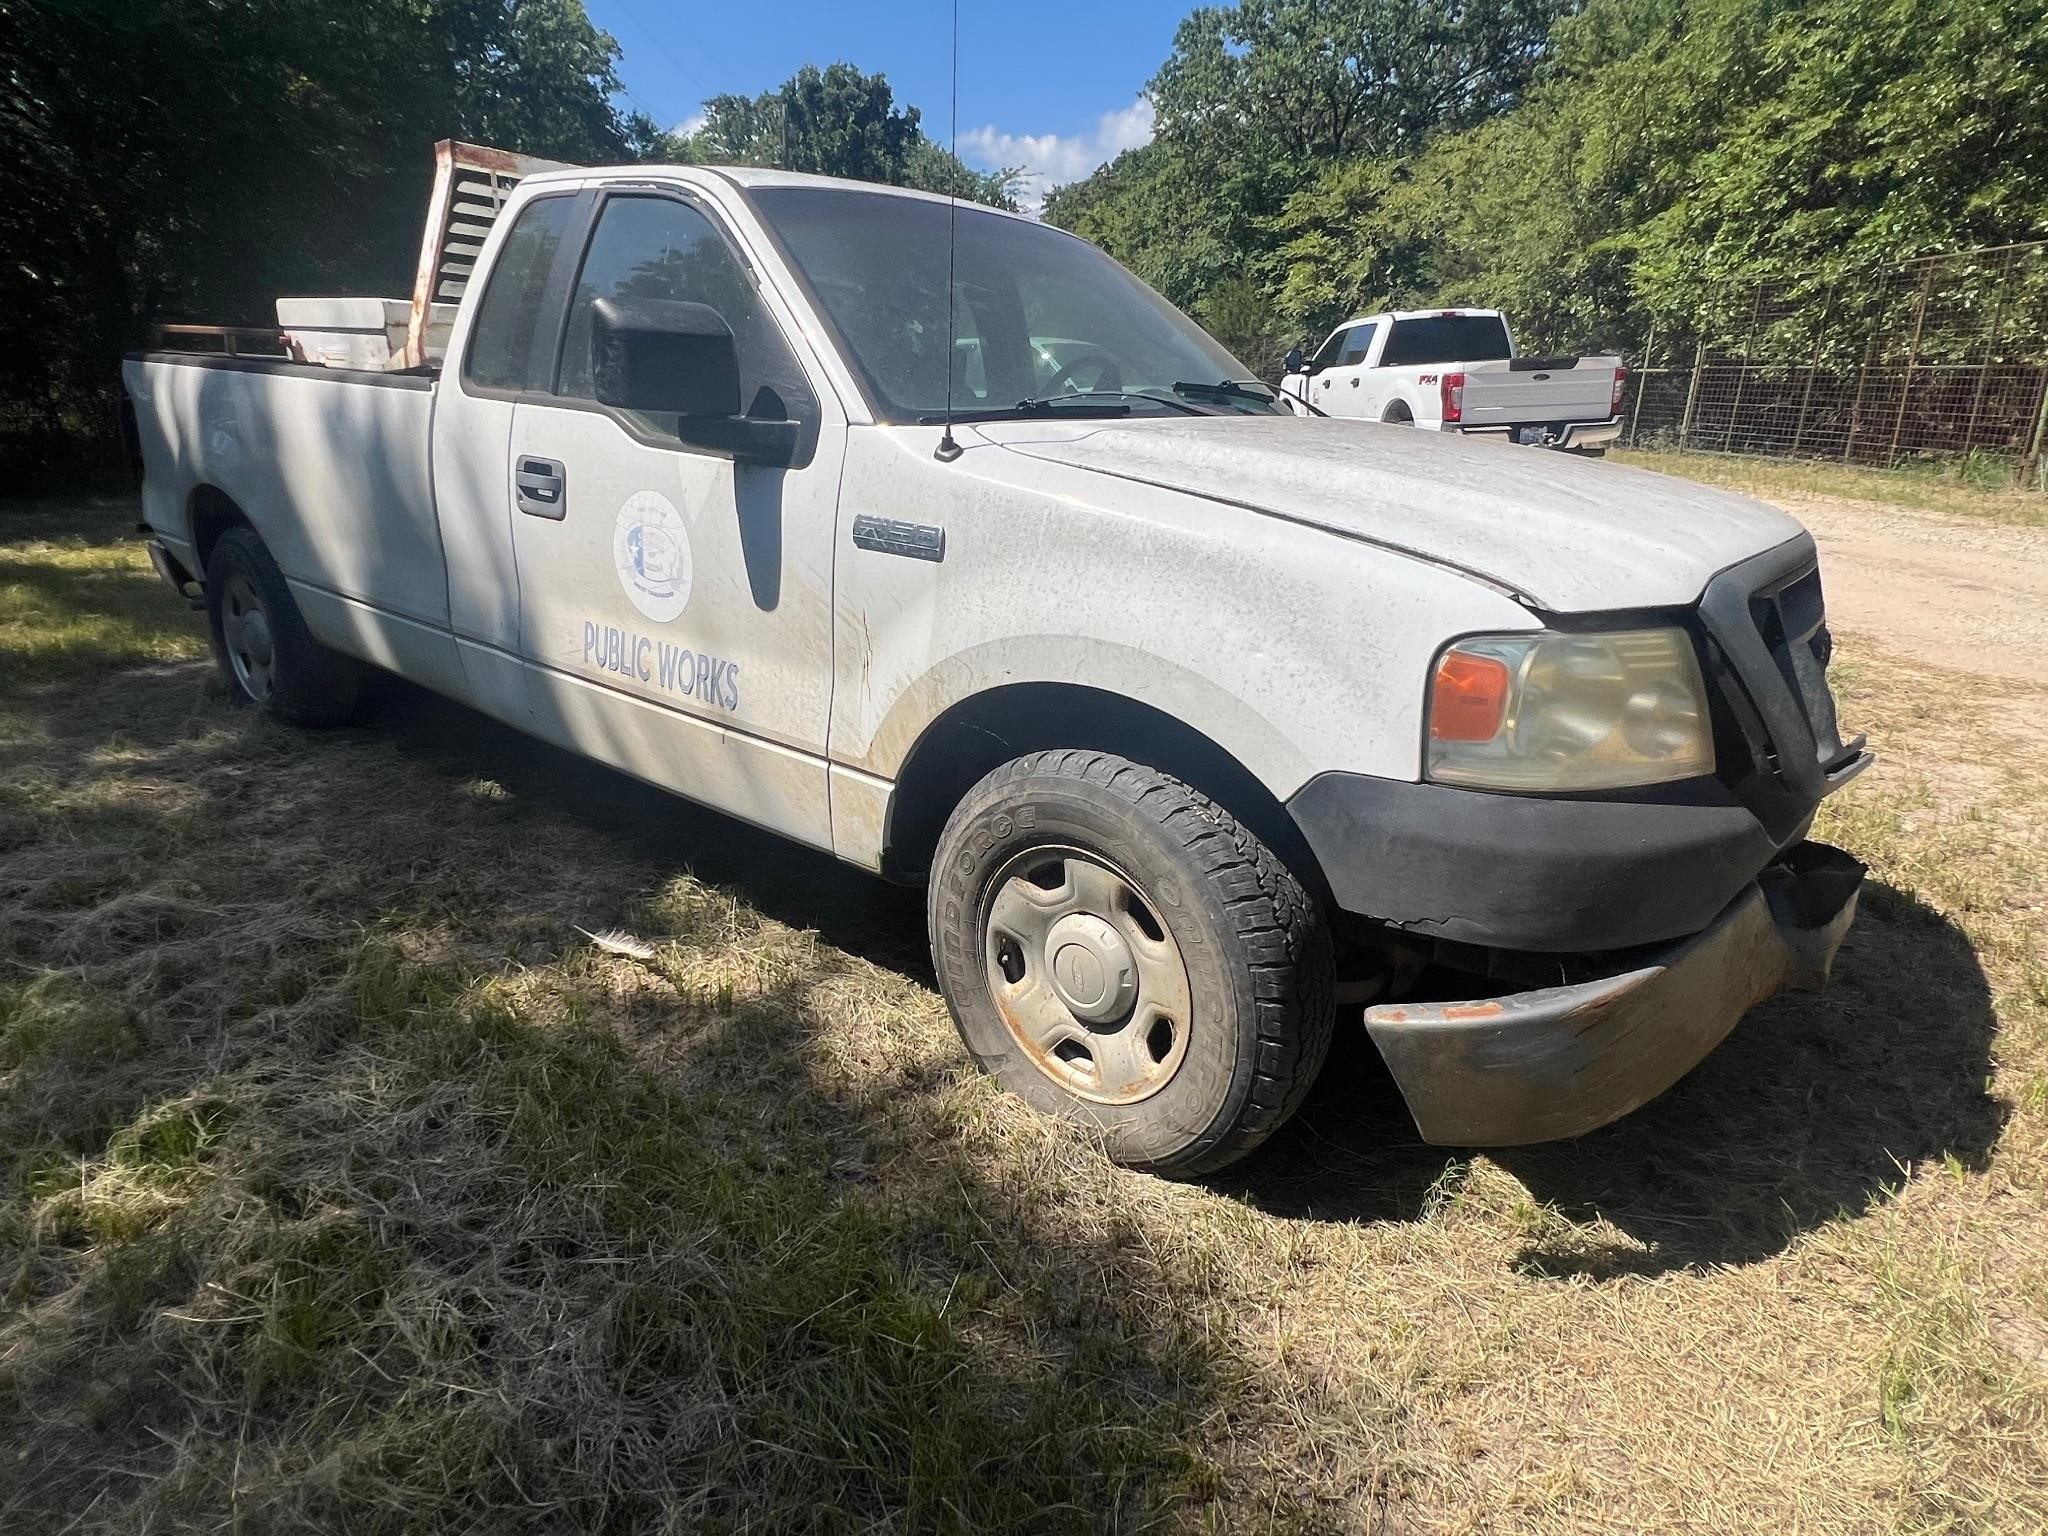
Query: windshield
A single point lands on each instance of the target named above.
(1041, 315)
(1447, 339)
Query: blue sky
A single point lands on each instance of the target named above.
(1052, 85)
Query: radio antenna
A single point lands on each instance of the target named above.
(948, 450)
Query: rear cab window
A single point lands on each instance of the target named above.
(502, 354)
(1447, 339)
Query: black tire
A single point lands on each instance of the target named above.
(302, 682)
(1398, 415)
(1255, 948)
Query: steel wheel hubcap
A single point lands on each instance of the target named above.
(1085, 975)
(245, 630)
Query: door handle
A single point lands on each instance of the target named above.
(1354, 383)
(539, 487)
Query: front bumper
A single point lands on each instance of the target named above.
(1562, 1061)
(1549, 873)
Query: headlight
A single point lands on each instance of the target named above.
(1546, 711)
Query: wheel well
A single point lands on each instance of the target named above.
(984, 732)
(1398, 411)
(212, 513)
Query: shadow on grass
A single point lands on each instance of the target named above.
(839, 1267)
(1811, 1110)
(850, 909)
(297, 1230)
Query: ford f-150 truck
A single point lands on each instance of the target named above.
(1205, 724)
(1457, 370)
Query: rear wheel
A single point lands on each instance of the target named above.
(267, 657)
(1117, 949)
(1398, 415)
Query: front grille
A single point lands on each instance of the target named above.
(1766, 621)
(1792, 623)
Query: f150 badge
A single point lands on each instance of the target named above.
(651, 549)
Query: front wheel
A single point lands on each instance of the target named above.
(1117, 949)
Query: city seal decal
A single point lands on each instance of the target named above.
(651, 550)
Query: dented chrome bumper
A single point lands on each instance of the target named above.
(1545, 1065)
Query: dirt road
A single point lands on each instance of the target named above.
(1953, 591)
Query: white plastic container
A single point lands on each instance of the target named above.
(357, 333)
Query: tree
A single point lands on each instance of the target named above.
(836, 122)
(1644, 164)
(170, 160)
(1317, 79)
(1151, 210)
(1263, 108)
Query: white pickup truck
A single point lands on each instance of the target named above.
(1457, 370)
(1207, 725)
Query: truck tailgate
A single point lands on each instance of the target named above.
(1496, 395)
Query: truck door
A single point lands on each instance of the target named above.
(492, 360)
(674, 607)
(1335, 389)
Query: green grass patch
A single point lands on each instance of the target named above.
(77, 593)
(1956, 488)
(479, 1264)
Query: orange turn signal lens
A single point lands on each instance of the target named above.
(1469, 699)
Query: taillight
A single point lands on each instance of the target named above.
(1451, 390)
(1620, 388)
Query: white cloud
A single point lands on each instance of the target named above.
(692, 124)
(1051, 159)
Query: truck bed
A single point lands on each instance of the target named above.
(330, 465)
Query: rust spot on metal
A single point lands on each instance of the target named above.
(1460, 1013)
(1447, 1013)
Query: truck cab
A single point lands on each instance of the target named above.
(929, 537)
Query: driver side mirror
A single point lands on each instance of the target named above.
(668, 357)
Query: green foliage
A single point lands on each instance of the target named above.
(1258, 106)
(1322, 79)
(835, 121)
(1149, 209)
(1645, 160)
(170, 161)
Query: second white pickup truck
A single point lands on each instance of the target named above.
(1206, 725)
(1458, 370)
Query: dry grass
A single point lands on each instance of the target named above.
(348, 1186)
(1934, 487)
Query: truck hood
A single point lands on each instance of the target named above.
(1570, 535)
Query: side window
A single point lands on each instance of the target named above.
(658, 248)
(1356, 346)
(1327, 354)
(501, 343)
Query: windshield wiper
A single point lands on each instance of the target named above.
(1080, 402)
(1229, 389)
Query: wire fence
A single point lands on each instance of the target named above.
(1939, 358)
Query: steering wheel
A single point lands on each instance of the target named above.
(1108, 375)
